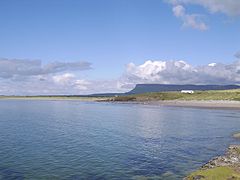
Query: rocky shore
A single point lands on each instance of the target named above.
(226, 167)
(209, 104)
(213, 104)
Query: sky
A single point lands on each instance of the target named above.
(92, 46)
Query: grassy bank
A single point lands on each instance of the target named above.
(231, 95)
(218, 173)
(224, 167)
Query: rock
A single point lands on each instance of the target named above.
(168, 173)
(232, 157)
(236, 135)
(198, 177)
(230, 162)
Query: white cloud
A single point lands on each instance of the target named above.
(180, 72)
(179, 11)
(22, 77)
(227, 7)
(82, 84)
(63, 79)
(69, 80)
(189, 20)
(148, 70)
(13, 68)
(212, 64)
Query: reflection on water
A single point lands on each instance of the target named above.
(83, 140)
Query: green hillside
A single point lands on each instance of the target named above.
(233, 95)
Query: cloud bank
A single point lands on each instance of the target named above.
(31, 77)
(227, 7)
(180, 72)
(20, 67)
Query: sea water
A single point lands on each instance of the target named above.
(73, 140)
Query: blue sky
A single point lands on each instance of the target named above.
(110, 34)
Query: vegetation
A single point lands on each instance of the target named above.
(125, 98)
(224, 167)
(233, 95)
(145, 88)
(217, 173)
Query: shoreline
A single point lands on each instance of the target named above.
(209, 104)
(206, 104)
(56, 98)
(224, 167)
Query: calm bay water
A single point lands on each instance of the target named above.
(85, 140)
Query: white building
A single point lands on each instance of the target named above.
(187, 91)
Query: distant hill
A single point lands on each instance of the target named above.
(145, 88)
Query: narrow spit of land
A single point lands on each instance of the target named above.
(206, 99)
(229, 95)
(55, 98)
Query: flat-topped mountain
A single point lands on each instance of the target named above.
(145, 88)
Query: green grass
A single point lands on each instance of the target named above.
(233, 95)
(218, 173)
(125, 98)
